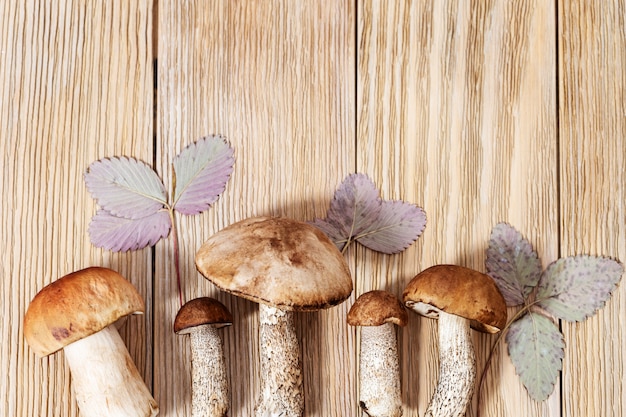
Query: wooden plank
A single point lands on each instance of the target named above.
(75, 86)
(276, 78)
(592, 129)
(457, 113)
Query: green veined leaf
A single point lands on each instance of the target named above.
(512, 263)
(536, 348)
(125, 187)
(201, 171)
(575, 287)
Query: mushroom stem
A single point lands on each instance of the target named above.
(379, 372)
(105, 379)
(457, 368)
(281, 375)
(209, 389)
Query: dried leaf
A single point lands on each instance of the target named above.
(536, 348)
(201, 170)
(512, 263)
(125, 187)
(120, 234)
(574, 288)
(358, 213)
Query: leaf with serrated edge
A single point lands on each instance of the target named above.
(575, 287)
(119, 234)
(536, 348)
(125, 187)
(201, 171)
(512, 263)
(355, 205)
(396, 227)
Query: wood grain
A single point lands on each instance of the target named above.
(592, 151)
(457, 113)
(75, 86)
(479, 112)
(277, 79)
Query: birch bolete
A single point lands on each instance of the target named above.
(460, 298)
(201, 318)
(286, 266)
(77, 313)
(376, 312)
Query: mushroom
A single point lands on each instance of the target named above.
(286, 266)
(460, 298)
(200, 318)
(379, 370)
(77, 313)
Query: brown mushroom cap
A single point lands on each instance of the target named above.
(460, 291)
(280, 262)
(201, 311)
(375, 308)
(76, 306)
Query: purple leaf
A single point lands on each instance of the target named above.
(125, 187)
(356, 204)
(397, 226)
(512, 263)
(358, 213)
(536, 348)
(120, 234)
(574, 288)
(201, 172)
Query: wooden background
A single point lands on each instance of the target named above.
(479, 112)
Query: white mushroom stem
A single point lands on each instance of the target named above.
(379, 372)
(457, 368)
(209, 388)
(105, 379)
(281, 374)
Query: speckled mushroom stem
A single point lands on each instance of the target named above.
(281, 375)
(105, 379)
(209, 388)
(457, 368)
(379, 372)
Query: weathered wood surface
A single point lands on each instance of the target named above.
(479, 112)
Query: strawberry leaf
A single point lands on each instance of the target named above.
(201, 172)
(397, 226)
(120, 234)
(574, 288)
(358, 213)
(512, 263)
(536, 348)
(355, 205)
(125, 187)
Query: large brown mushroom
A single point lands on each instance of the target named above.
(286, 266)
(200, 318)
(459, 298)
(376, 312)
(77, 313)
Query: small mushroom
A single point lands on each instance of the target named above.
(285, 266)
(460, 298)
(77, 313)
(200, 318)
(379, 370)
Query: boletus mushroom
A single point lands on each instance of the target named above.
(286, 266)
(201, 318)
(460, 298)
(376, 312)
(77, 313)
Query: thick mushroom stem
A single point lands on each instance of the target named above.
(457, 368)
(379, 372)
(281, 374)
(209, 388)
(105, 379)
